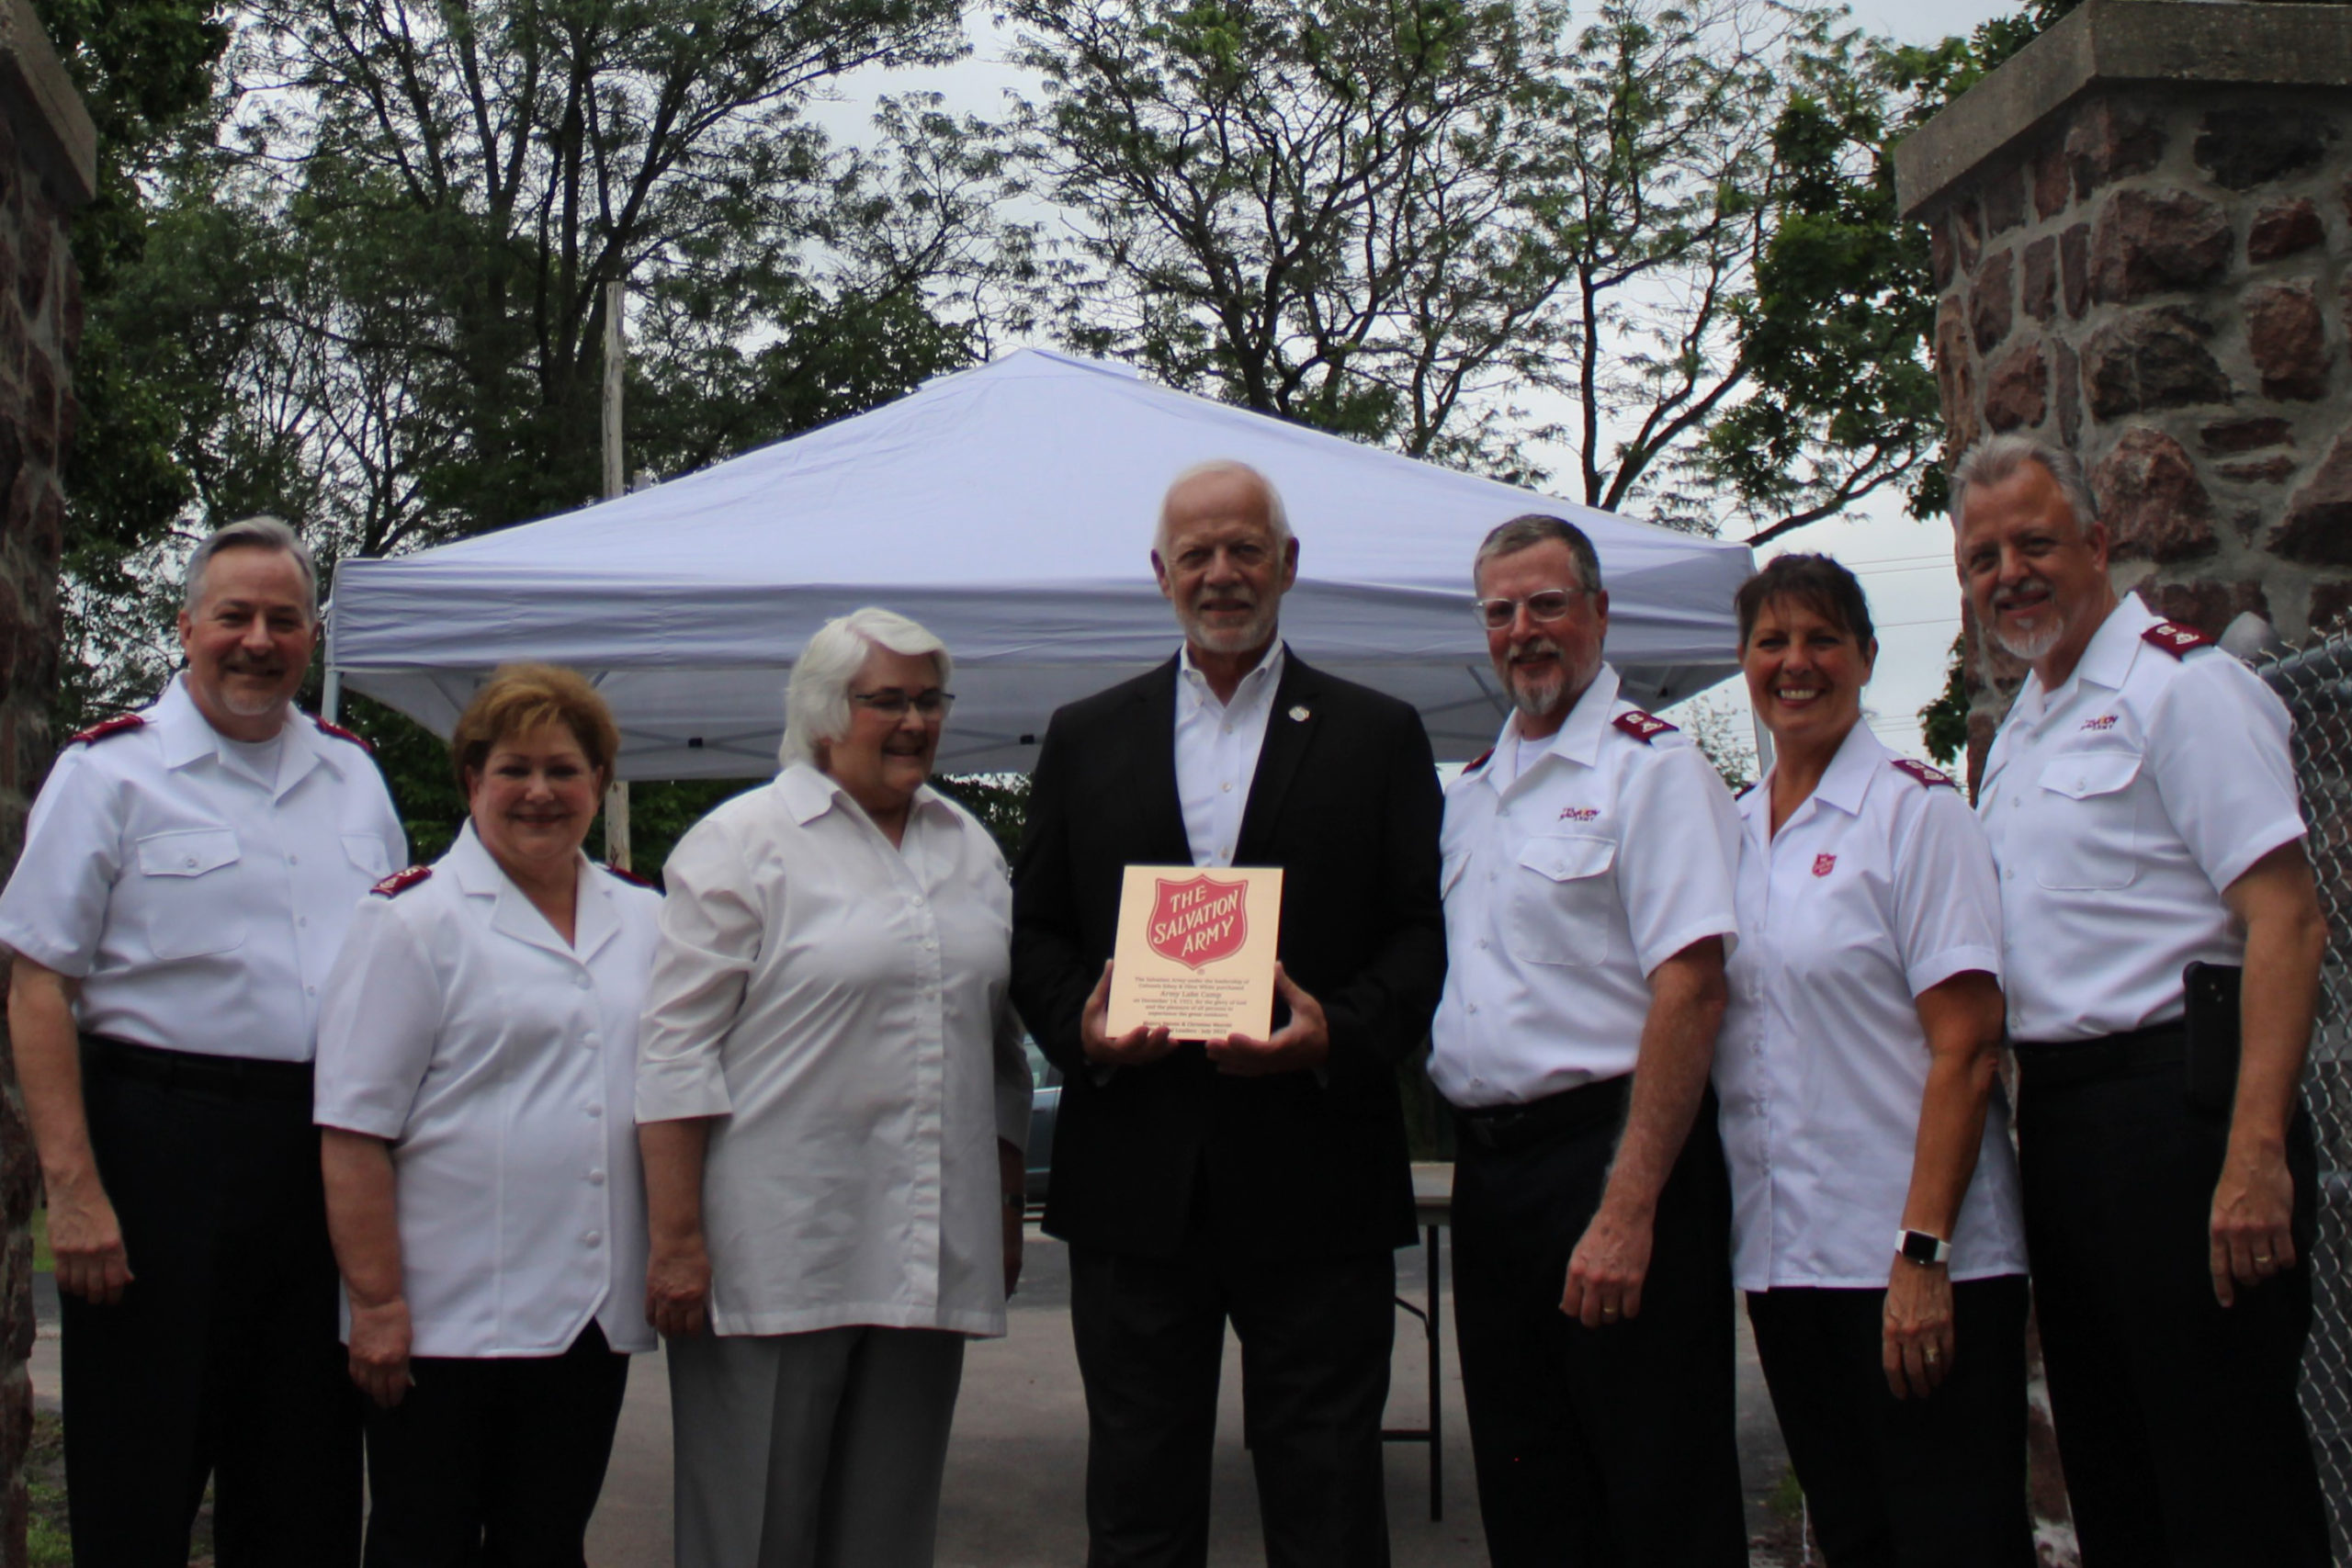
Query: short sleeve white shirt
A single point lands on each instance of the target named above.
(1878, 887)
(2119, 807)
(841, 1007)
(1216, 751)
(1608, 853)
(498, 1062)
(200, 907)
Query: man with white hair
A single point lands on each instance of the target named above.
(187, 875)
(1259, 1182)
(2142, 806)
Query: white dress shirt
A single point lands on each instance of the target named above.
(1216, 751)
(1608, 855)
(2119, 807)
(497, 1061)
(841, 1007)
(1878, 887)
(199, 907)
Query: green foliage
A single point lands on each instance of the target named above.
(1943, 723)
(999, 800)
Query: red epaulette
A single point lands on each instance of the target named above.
(1480, 760)
(629, 876)
(1642, 726)
(120, 723)
(2176, 639)
(329, 727)
(1931, 777)
(1744, 791)
(400, 881)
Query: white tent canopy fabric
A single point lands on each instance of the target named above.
(1010, 509)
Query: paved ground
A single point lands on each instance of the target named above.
(1016, 1466)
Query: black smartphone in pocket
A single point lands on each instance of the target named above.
(2210, 1024)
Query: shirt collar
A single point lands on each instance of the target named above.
(808, 793)
(188, 736)
(1262, 677)
(2106, 659)
(1861, 756)
(1578, 737)
(594, 920)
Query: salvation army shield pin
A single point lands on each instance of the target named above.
(1824, 865)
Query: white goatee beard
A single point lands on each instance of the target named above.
(2031, 647)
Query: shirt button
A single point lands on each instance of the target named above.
(1482, 944)
(594, 1111)
(1474, 1007)
(595, 1179)
(191, 863)
(580, 981)
(311, 990)
(918, 900)
(1226, 786)
(592, 1238)
(301, 920)
(290, 860)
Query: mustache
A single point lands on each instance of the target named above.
(1538, 644)
(2007, 598)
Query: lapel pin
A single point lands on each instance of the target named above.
(1298, 715)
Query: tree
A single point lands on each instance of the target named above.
(1943, 722)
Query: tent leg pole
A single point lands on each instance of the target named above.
(617, 825)
(1763, 745)
(331, 695)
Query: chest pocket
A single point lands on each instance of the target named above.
(2088, 813)
(187, 899)
(367, 852)
(1561, 901)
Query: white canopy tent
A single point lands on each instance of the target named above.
(1009, 508)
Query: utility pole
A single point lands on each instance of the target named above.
(616, 485)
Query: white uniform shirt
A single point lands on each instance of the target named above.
(200, 907)
(1608, 855)
(2119, 807)
(841, 1006)
(1876, 889)
(1216, 751)
(497, 1061)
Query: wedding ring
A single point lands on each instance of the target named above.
(2262, 1257)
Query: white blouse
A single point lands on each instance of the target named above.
(497, 1060)
(1878, 887)
(841, 1007)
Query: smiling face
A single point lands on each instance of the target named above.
(248, 641)
(532, 799)
(1805, 674)
(885, 758)
(1221, 564)
(2035, 576)
(1545, 665)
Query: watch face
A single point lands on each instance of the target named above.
(1921, 1247)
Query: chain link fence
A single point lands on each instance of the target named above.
(2317, 685)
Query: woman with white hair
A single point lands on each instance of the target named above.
(832, 1100)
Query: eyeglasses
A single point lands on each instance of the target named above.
(892, 703)
(1544, 607)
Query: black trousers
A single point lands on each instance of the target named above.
(1933, 1483)
(222, 1358)
(2178, 1422)
(1315, 1337)
(494, 1463)
(1613, 1445)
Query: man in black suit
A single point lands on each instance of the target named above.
(1260, 1180)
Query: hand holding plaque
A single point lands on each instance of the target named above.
(1196, 951)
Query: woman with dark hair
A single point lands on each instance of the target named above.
(1875, 1223)
(477, 1056)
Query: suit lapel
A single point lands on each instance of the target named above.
(1151, 753)
(1297, 711)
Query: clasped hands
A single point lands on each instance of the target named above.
(1303, 1042)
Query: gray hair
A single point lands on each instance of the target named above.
(262, 533)
(816, 702)
(1995, 459)
(1277, 517)
(1531, 529)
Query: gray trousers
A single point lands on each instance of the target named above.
(812, 1450)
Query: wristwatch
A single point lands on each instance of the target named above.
(1922, 1248)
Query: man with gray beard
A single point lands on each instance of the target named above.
(1588, 863)
(2141, 802)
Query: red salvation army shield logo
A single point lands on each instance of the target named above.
(1198, 921)
(1824, 865)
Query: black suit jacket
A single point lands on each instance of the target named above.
(1346, 801)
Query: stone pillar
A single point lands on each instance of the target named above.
(2141, 230)
(48, 166)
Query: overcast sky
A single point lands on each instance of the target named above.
(1905, 564)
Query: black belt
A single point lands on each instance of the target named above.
(2043, 1066)
(1505, 1127)
(240, 1077)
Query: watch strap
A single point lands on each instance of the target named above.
(1921, 1247)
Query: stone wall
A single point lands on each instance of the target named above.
(2142, 230)
(47, 149)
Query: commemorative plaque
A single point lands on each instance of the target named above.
(1196, 951)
